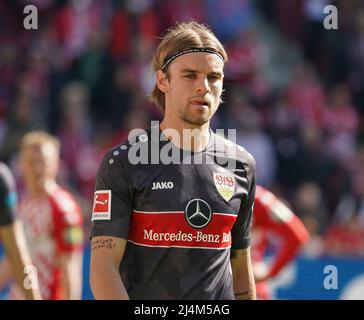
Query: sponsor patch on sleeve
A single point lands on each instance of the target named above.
(102, 205)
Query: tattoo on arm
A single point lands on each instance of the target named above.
(102, 243)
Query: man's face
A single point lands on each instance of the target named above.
(194, 87)
(38, 163)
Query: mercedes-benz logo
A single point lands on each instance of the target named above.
(198, 213)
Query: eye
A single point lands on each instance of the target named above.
(213, 77)
(190, 76)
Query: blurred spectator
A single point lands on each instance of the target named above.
(311, 161)
(355, 52)
(314, 15)
(52, 220)
(74, 25)
(346, 234)
(247, 56)
(120, 94)
(309, 206)
(19, 121)
(136, 118)
(75, 134)
(249, 134)
(182, 10)
(306, 95)
(309, 203)
(288, 16)
(341, 124)
(230, 17)
(120, 34)
(283, 126)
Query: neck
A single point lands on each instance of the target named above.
(186, 136)
(38, 189)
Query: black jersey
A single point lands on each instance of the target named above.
(7, 196)
(180, 220)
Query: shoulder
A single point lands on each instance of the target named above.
(121, 155)
(6, 177)
(4, 170)
(65, 205)
(262, 194)
(234, 151)
(264, 198)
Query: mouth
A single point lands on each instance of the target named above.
(200, 103)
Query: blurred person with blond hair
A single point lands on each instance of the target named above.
(13, 239)
(52, 220)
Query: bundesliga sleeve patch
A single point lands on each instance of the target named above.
(102, 205)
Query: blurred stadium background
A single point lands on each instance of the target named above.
(294, 92)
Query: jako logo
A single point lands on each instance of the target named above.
(162, 185)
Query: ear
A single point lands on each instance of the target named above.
(162, 81)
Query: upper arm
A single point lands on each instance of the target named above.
(106, 256)
(241, 231)
(106, 250)
(113, 201)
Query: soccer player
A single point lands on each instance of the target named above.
(52, 220)
(180, 229)
(12, 237)
(273, 218)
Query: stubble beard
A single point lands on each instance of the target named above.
(195, 117)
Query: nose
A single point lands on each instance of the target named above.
(203, 85)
